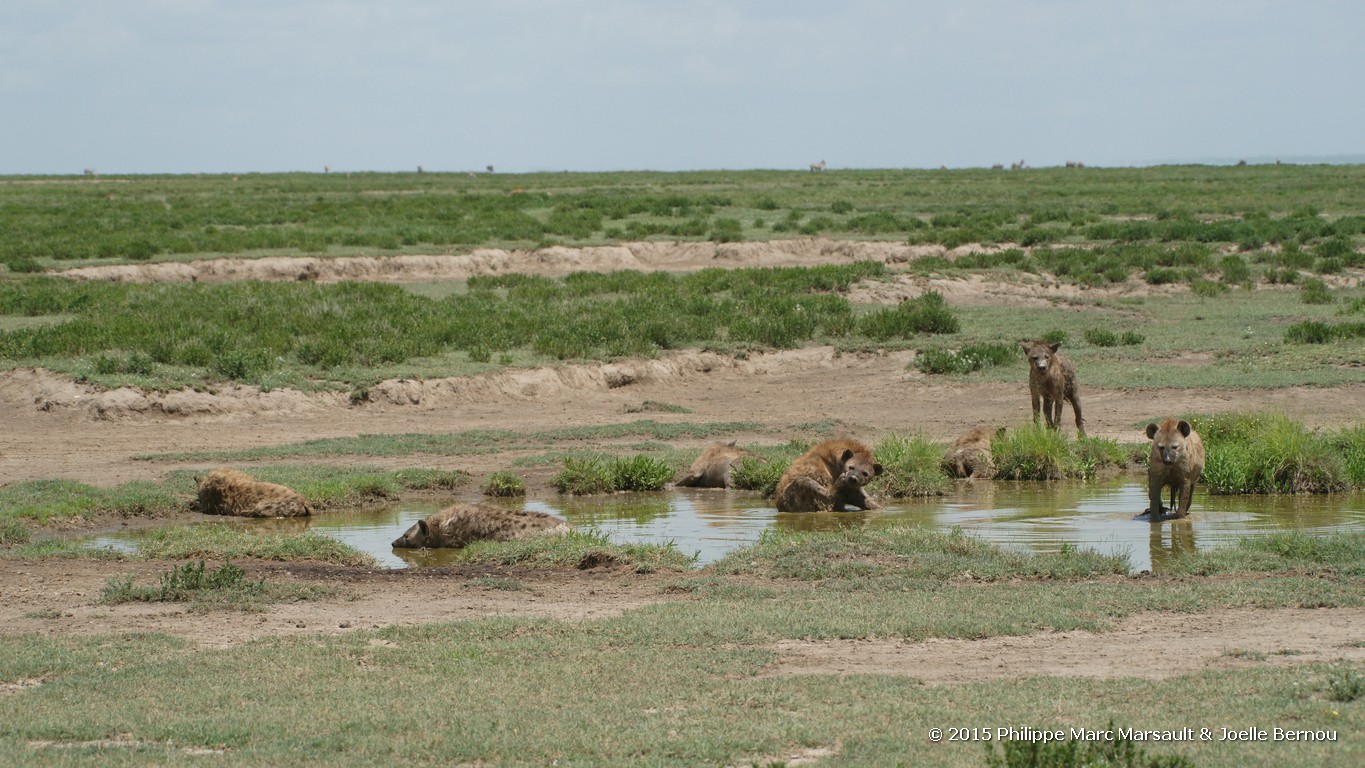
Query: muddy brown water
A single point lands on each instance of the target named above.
(1037, 517)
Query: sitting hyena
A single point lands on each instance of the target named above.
(1176, 461)
(1051, 380)
(827, 478)
(463, 524)
(714, 467)
(970, 455)
(229, 492)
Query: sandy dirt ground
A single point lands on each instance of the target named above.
(55, 428)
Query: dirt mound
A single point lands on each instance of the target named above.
(1021, 290)
(555, 260)
(47, 391)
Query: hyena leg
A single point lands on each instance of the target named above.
(1186, 497)
(1037, 403)
(1076, 408)
(854, 497)
(1053, 409)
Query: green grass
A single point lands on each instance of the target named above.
(208, 541)
(301, 334)
(503, 483)
(1340, 554)
(578, 549)
(904, 552)
(694, 679)
(205, 590)
(1270, 453)
(1034, 452)
(912, 466)
(596, 473)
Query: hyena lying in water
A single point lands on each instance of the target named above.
(1052, 380)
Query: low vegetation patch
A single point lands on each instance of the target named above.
(912, 466)
(592, 474)
(1271, 453)
(504, 483)
(226, 587)
(1115, 750)
(1335, 554)
(972, 357)
(904, 551)
(1034, 452)
(238, 541)
(928, 313)
(578, 549)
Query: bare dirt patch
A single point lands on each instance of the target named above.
(63, 596)
(1152, 646)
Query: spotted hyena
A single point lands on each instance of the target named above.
(462, 524)
(1052, 380)
(828, 478)
(1176, 462)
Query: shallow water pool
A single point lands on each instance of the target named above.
(1038, 517)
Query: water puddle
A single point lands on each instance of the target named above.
(1036, 517)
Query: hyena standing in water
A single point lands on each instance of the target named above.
(1176, 462)
(1052, 380)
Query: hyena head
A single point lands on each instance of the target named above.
(415, 537)
(858, 469)
(1040, 354)
(1168, 440)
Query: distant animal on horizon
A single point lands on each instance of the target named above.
(998, 167)
(490, 168)
(226, 491)
(828, 478)
(1176, 461)
(1051, 381)
(715, 466)
(820, 166)
(462, 524)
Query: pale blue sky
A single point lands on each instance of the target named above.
(152, 86)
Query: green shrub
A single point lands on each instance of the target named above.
(841, 207)
(1036, 452)
(972, 357)
(1234, 269)
(639, 473)
(1056, 336)
(583, 476)
(727, 231)
(1315, 291)
(1131, 338)
(927, 314)
(1309, 332)
(911, 466)
(1207, 288)
(1101, 337)
(1269, 453)
(503, 483)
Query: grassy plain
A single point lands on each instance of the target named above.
(697, 678)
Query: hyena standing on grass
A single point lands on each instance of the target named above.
(1051, 380)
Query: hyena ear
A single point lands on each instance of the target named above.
(1151, 431)
(876, 469)
(733, 443)
(1054, 347)
(1024, 344)
(1185, 428)
(423, 528)
(848, 454)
